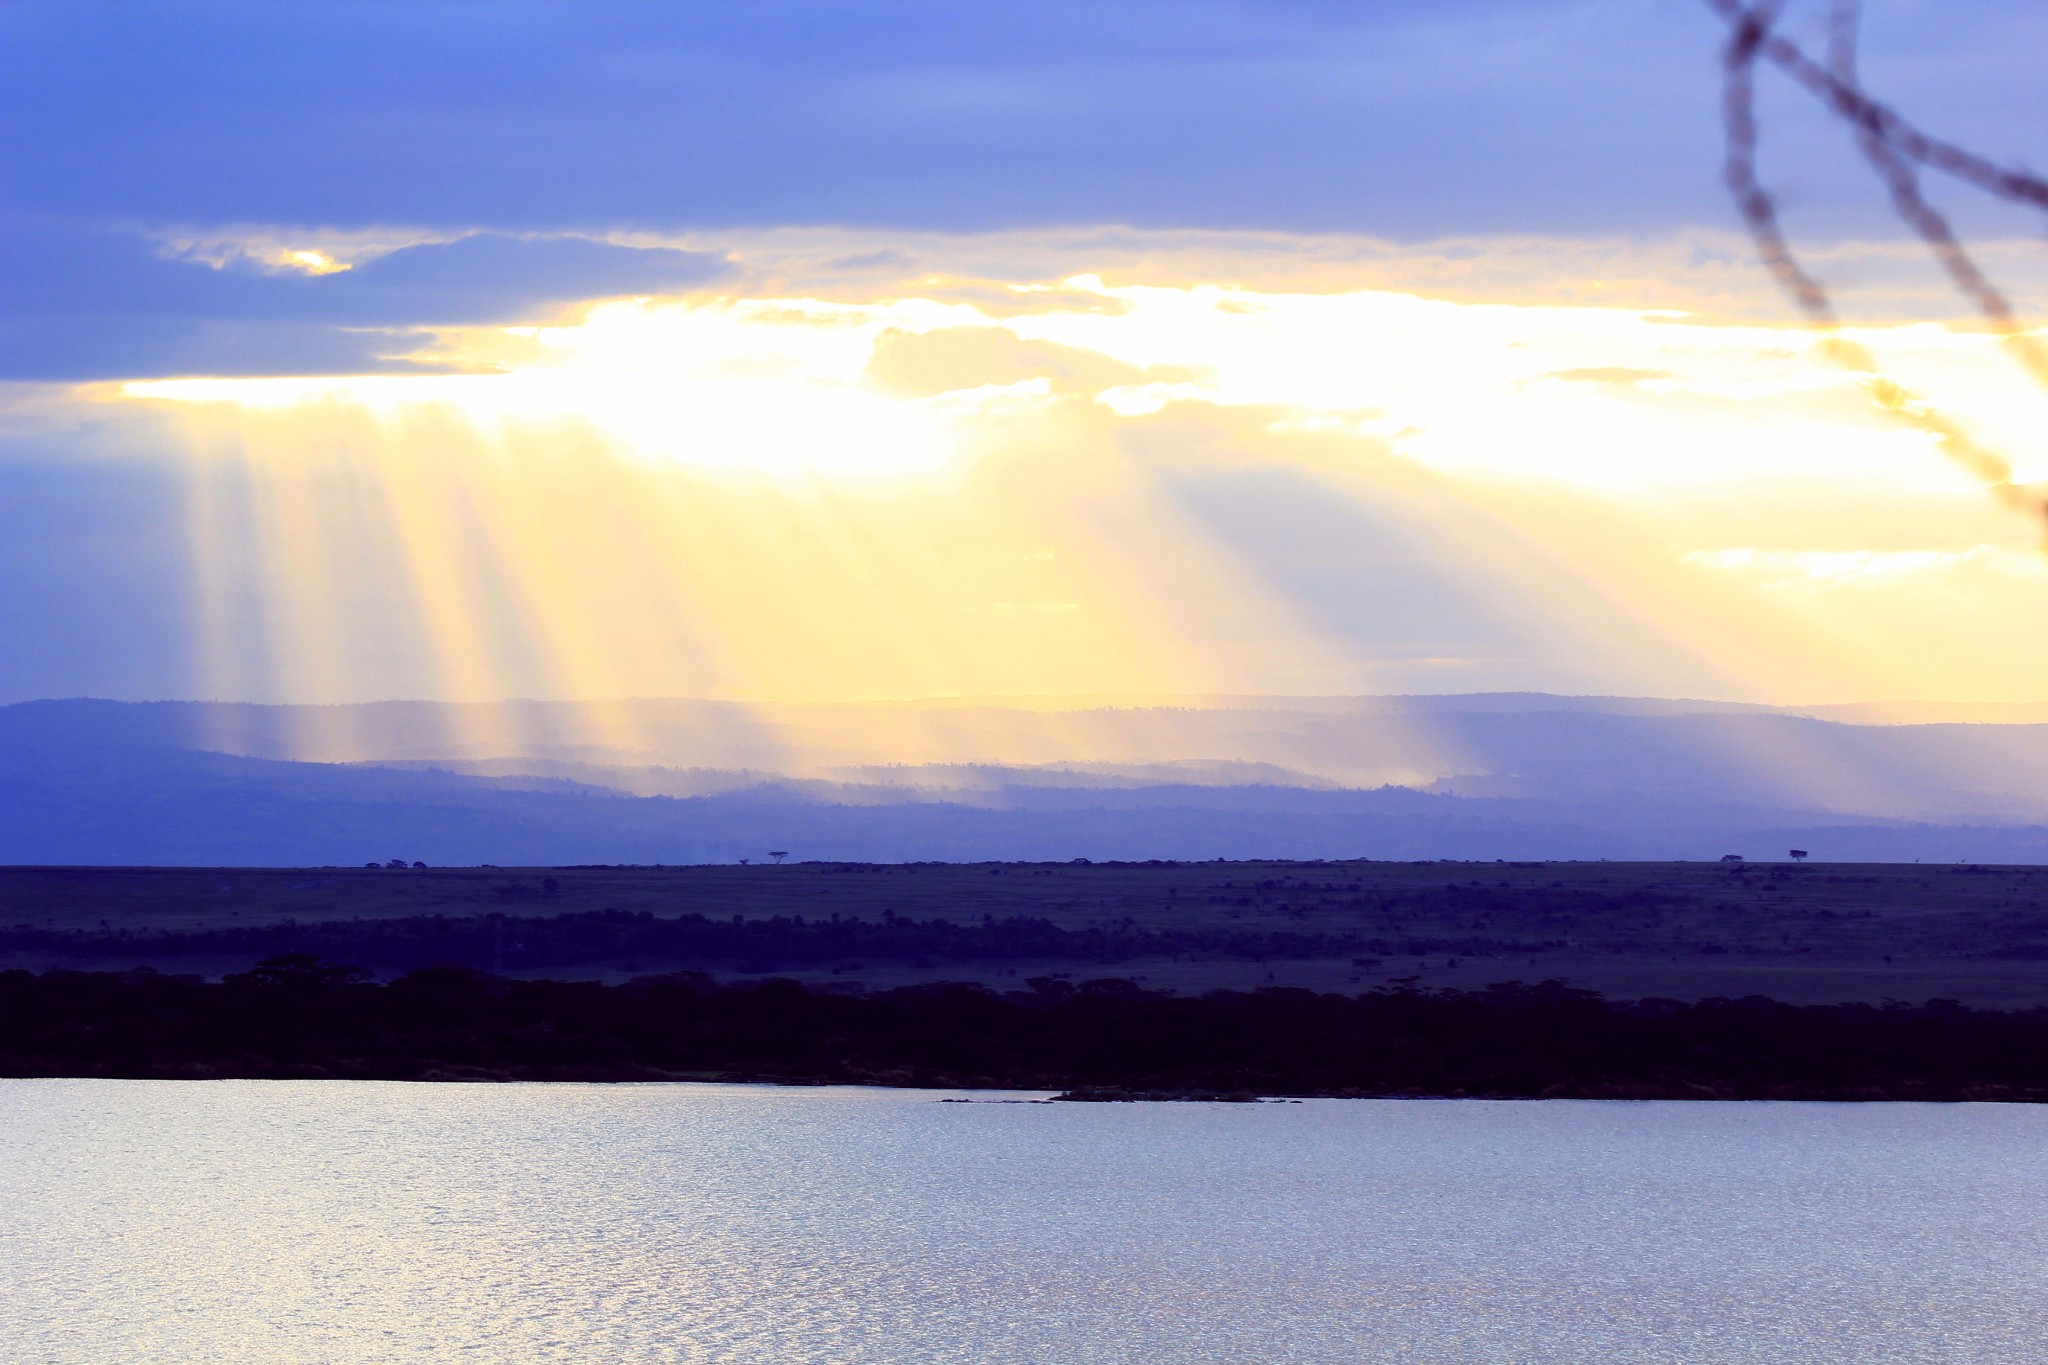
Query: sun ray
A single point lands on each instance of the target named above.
(801, 500)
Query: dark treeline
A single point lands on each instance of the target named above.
(297, 1017)
(528, 942)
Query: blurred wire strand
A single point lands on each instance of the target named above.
(1896, 150)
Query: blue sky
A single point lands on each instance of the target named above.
(1390, 119)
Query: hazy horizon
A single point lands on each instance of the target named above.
(1474, 776)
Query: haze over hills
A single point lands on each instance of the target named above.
(1480, 776)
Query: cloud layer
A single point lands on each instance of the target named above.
(104, 304)
(1080, 487)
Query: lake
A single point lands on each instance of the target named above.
(360, 1221)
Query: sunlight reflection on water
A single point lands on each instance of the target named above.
(339, 1221)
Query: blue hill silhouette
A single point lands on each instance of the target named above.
(1501, 776)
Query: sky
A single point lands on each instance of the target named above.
(846, 352)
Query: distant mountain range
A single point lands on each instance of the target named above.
(1514, 776)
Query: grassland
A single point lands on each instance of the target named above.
(1809, 933)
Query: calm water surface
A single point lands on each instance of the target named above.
(336, 1221)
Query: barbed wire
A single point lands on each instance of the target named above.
(1751, 28)
(1846, 97)
(1895, 149)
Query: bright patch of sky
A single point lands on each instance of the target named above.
(801, 349)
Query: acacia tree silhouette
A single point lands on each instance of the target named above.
(1897, 150)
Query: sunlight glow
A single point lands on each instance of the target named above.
(924, 493)
(315, 262)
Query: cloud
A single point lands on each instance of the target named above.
(489, 277)
(804, 495)
(1624, 376)
(95, 303)
(954, 358)
(1874, 570)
